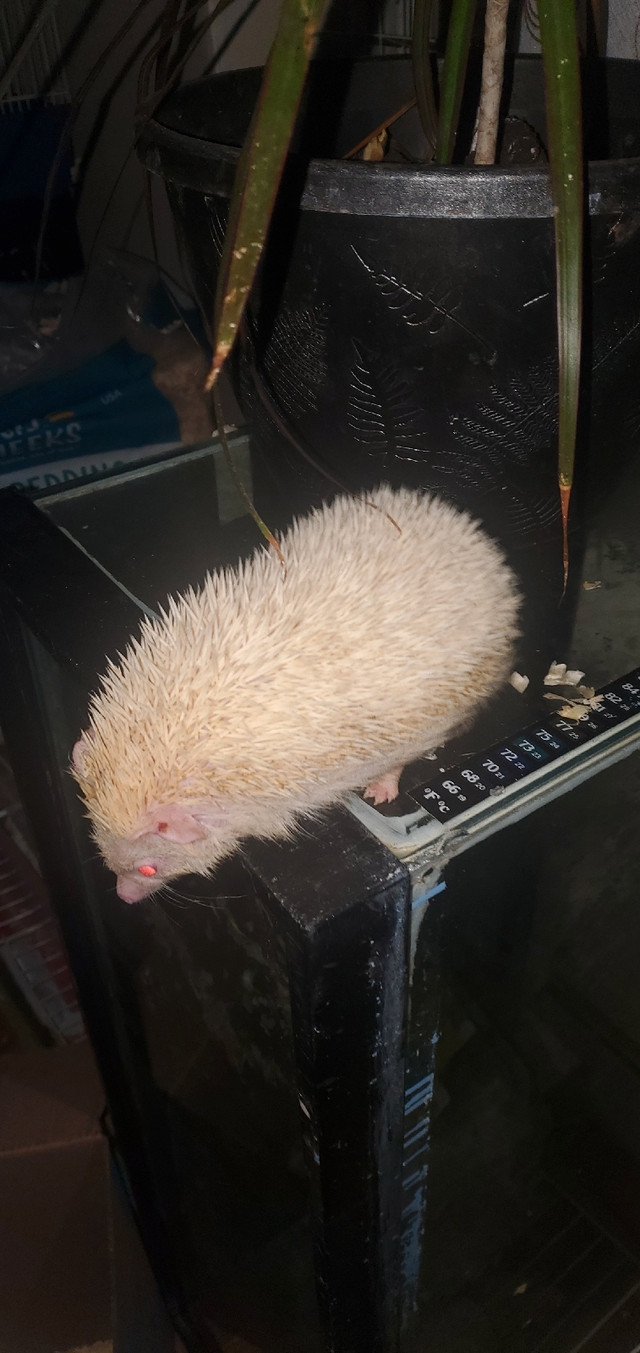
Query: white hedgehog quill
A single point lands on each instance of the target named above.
(269, 694)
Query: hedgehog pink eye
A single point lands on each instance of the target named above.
(148, 870)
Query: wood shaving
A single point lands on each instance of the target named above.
(556, 674)
(587, 700)
(592, 587)
(560, 675)
(518, 682)
(376, 147)
(575, 711)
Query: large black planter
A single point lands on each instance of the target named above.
(403, 326)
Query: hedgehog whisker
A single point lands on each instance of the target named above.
(171, 920)
(185, 900)
(169, 894)
(171, 901)
(89, 859)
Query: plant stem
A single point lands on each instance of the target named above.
(495, 37)
(600, 22)
(261, 525)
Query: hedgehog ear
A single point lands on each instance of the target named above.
(79, 753)
(181, 825)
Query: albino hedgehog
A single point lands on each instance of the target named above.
(270, 693)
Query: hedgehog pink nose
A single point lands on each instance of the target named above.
(131, 890)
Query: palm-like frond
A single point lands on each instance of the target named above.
(559, 43)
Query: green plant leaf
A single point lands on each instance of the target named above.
(559, 44)
(188, 34)
(422, 74)
(260, 168)
(261, 525)
(37, 20)
(454, 70)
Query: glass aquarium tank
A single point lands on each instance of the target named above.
(375, 1089)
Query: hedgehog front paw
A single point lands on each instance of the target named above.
(385, 788)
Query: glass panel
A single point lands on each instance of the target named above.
(599, 635)
(533, 1219)
(198, 1007)
(186, 504)
(532, 1238)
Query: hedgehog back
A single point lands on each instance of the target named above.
(379, 639)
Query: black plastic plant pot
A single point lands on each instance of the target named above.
(403, 323)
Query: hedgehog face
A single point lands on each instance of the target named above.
(141, 868)
(169, 842)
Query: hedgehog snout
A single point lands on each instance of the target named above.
(132, 889)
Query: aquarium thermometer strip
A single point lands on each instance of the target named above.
(536, 764)
(471, 783)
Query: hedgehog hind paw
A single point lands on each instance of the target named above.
(385, 789)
